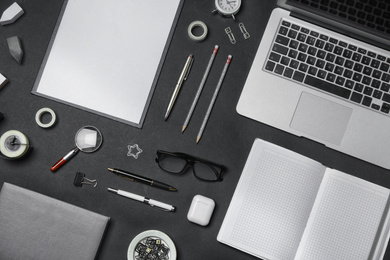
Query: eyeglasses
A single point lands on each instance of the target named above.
(179, 162)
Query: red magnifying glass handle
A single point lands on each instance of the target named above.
(64, 159)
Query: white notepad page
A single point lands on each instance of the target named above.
(268, 222)
(105, 56)
(344, 212)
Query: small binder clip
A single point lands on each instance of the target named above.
(80, 179)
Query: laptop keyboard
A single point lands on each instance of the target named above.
(331, 65)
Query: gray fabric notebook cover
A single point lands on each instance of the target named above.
(34, 226)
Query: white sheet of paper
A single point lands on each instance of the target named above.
(105, 56)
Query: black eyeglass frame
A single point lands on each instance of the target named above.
(190, 161)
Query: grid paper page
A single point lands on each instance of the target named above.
(345, 219)
(272, 202)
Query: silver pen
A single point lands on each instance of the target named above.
(183, 77)
(151, 202)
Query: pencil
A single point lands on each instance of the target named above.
(206, 73)
(206, 117)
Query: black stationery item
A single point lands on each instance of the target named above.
(137, 178)
(80, 179)
(178, 163)
(35, 226)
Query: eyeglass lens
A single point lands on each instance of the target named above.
(175, 164)
(206, 172)
(171, 163)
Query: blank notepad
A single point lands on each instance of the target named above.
(106, 55)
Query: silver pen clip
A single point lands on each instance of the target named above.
(147, 201)
(160, 208)
(189, 68)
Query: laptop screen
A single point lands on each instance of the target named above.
(370, 16)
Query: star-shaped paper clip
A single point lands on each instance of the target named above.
(134, 147)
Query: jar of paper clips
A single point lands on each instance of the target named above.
(151, 244)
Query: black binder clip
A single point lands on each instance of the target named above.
(80, 179)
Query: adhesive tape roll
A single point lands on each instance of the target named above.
(197, 24)
(14, 144)
(43, 111)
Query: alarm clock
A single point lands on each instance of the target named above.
(227, 8)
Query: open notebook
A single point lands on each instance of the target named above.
(287, 206)
(34, 226)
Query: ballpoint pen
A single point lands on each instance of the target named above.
(206, 117)
(151, 202)
(137, 178)
(206, 73)
(183, 77)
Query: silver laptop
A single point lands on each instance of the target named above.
(322, 72)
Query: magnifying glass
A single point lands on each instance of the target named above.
(88, 139)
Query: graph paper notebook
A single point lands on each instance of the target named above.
(287, 206)
(34, 226)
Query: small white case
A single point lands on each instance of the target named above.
(201, 210)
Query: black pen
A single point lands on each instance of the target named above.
(136, 178)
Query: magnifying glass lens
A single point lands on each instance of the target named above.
(88, 139)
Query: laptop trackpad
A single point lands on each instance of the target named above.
(321, 118)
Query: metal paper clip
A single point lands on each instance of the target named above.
(244, 31)
(230, 34)
(80, 179)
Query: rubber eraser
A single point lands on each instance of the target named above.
(15, 48)
(11, 14)
(3, 81)
(201, 210)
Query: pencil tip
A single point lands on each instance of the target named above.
(110, 169)
(172, 189)
(197, 139)
(183, 128)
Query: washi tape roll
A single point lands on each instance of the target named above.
(197, 24)
(14, 144)
(43, 111)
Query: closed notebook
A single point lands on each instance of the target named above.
(35, 226)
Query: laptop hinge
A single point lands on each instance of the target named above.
(341, 28)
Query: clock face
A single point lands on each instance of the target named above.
(228, 6)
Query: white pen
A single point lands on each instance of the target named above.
(151, 202)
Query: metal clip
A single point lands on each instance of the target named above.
(244, 31)
(189, 68)
(80, 179)
(230, 34)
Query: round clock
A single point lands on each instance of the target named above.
(227, 7)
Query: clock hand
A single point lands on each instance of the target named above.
(13, 142)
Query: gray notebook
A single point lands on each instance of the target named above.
(35, 226)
